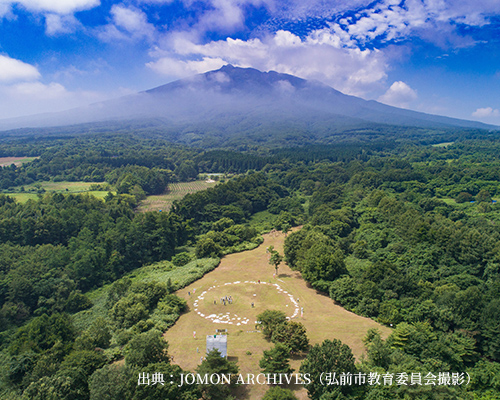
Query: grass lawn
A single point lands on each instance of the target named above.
(6, 161)
(444, 144)
(65, 187)
(23, 197)
(322, 318)
(176, 191)
(72, 187)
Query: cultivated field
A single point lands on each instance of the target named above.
(6, 161)
(237, 276)
(175, 191)
(30, 191)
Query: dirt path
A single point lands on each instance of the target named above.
(321, 317)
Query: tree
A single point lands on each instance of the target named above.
(77, 302)
(206, 247)
(278, 393)
(269, 320)
(130, 309)
(323, 262)
(146, 348)
(276, 360)
(293, 335)
(167, 373)
(275, 259)
(214, 363)
(98, 335)
(331, 356)
(285, 228)
(70, 382)
(112, 382)
(483, 195)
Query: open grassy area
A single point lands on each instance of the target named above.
(23, 197)
(31, 191)
(65, 186)
(6, 161)
(444, 144)
(175, 191)
(322, 318)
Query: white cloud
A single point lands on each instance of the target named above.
(16, 70)
(37, 90)
(56, 24)
(399, 95)
(55, 6)
(432, 20)
(486, 112)
(178, 68)
(318, 56)
(28, 98)
(127, 24)
(155, 1)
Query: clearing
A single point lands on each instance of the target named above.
(17, 161)
(238, 276)
(31, 191)
(175, 191)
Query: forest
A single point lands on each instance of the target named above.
(406, 233)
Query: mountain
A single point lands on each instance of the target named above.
(226, 106)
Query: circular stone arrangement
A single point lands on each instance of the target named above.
(234, 319)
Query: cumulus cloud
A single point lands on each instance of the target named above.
(16, 70)
(56, 24)
(486, 112)
(178, 68)
(28, 98)
(350, 70)
(37, 90)
(127, 23)
(399, 95)
(55, 6)
(431, 20)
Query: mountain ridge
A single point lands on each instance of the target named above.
(234, 102)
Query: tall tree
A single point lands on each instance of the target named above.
(214, 363)
(269, 320)
(330, 356)
(276, 360)
(275, 259)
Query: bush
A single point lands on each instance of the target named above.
(181, 259)
(146, 348)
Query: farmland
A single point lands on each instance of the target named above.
(31, 192)
(17, 161)
(175, 191)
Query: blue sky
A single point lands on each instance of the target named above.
(436, 56)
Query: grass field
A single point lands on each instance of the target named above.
(30, 191)
(6, 161)
(322, 318)
(176, 191)
(444, 144)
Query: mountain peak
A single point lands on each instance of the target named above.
(234, 101)
(231, 79)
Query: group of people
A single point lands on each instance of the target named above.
(225, 300)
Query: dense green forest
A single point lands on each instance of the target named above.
(405, 233)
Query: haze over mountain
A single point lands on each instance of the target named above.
(224, 105)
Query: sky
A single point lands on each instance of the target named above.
(435, 56)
